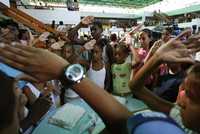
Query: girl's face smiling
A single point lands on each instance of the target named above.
(144, 40)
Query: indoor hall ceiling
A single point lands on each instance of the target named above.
(122, 3)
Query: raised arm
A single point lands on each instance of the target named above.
(133, 31)
(84, 22)
(173, 51)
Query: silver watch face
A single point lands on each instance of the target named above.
(74, 72)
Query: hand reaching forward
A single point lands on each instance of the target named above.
(175, 51)
(137, 28)
(90, 45)
(43, 36)
(39, 65)
(87, 20)
(193, 43)
(134, 30)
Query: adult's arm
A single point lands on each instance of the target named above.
(42, 65)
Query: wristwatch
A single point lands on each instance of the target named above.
(72, 74)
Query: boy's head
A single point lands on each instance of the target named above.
(113, 37)
(8, 103)
(97, 52)
(96, 30)
(67, 51)
(121, 53)
(166, 34)
(191, 98)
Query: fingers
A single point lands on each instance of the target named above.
(184, 56)
(18, 51)
(136, 28)
(15, 57)
(181, 35)
(32, 50)
(194, 50)
(27, 77)
(185, 60)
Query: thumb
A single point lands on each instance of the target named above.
(26, 77)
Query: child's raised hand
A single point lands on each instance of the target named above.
(175, 51)
(43, 36)
(137, 28)
(90, 45)
(87, 20)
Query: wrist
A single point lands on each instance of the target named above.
(71, 75)
(80, 25)
(158, 58)
(61, 70)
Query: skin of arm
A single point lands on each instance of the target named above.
(112, 112)
(138, 89)
(31, 97)
(153, 49)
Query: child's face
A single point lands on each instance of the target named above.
(144, 40)
(120, 56)
(68, 52)
(97, 53)
(166, 36)
(190, 104)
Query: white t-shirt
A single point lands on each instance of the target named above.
(175, 114)
(98, 77)
(197, 56)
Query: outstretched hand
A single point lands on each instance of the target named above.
(39, 65)
(134, 30)
(44, 36)
(87, 20)
(193, 43)
(137, 28)
(175, 51)
(90, 45)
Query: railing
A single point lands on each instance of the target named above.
(25, 19)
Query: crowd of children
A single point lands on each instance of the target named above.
(110, 62)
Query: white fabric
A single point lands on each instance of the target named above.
(67, 116)
(69, 93)
(26, 111)
(175, 114)
(197, 56)
(62, 28)
(121, 100)
(97, 77)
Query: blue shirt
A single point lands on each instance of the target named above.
(149, 122)
(12, 73)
